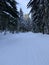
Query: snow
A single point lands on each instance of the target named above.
(24, 49)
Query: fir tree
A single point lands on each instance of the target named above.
(40, 14)
(8, 7)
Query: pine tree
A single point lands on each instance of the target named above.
(21, 22)
(35, 13)
(40, 14)
(8, 7)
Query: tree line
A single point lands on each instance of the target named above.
(13, 20)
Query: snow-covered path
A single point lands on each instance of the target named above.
(24, 49)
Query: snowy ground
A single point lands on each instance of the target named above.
(24, 49)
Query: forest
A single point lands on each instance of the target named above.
(15, 21)
(24, 32)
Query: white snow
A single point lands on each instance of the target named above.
(24, 49)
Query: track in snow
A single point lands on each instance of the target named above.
(24, 49)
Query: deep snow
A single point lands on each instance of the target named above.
(24, 49)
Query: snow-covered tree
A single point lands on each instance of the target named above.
(9, 11)
(27, 22)
(40, 15)
(21, 21)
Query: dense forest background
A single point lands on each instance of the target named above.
(16, 21)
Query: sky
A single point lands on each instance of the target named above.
(23, 4)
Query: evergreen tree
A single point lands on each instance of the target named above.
(34, 10)
(40, 15)
(8, 7)
(21, 22)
